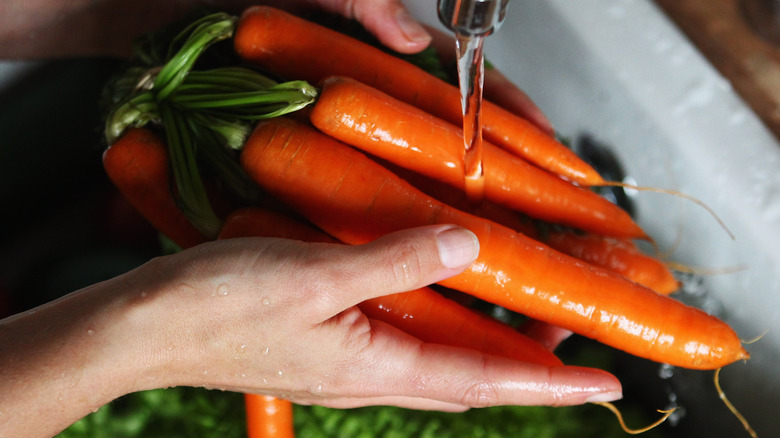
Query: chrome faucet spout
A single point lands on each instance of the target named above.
(472, 17)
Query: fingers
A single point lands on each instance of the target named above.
(548, 335)
(397, 262)
(498, 88)
(504, 93)
(388, 20)
(404, 367)
(398, 401)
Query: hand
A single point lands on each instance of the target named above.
(267, 316)
(59, 28)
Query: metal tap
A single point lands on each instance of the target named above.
(476, 18)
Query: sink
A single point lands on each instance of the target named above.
(622, 73)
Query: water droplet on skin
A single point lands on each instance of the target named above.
(266, 350)
(265, 301)
(279, 372)
(90, 332)
(222, 290)
(143, 294)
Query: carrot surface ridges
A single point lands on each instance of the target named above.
(356, 200)
(366, 118)
(263, 38)
(422, 313)
(137, 164)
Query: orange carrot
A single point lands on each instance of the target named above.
(263, 37)
(268, 417)
(138, 166)
(378, 124)
(619, 255)
(422, 313)
(616, 254)
(356, 200)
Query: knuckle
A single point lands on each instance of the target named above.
(480, 395)
(407, 266)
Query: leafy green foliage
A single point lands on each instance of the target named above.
(195, 412)
(173, 412)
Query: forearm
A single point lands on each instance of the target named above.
(67, 358)
(56, 28)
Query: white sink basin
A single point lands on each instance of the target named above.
(620, 71)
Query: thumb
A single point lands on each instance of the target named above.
(402, 261)
(389, 20)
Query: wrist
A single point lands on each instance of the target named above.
(65, 359)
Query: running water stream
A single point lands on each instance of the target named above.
(472, 21)
(470, 75)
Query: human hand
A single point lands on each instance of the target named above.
(269, 316)
(278, 317)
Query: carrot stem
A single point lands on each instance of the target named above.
(192, 197)
(204, 33)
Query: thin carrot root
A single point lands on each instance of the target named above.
(674, 193)
(628, 430)
(756, 339)
(704, 271)
(731, 407)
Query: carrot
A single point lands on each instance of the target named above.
(268, 417)
(616, 254)
(619, 255)
(356, 200)
(378, 124)
(263, 37)
(137, 164)
(422, 313)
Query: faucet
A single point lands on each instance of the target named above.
(472, 18)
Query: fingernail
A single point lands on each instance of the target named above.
(603, 397)
(458, 247)
(411, 28)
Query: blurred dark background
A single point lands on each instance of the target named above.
(63, 224)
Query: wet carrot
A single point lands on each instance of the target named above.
(364, 117)
(137, 164)
(268, 417)
(619, 255)
(356, 200)
(422, 313)
(263, 37)
(616, 254)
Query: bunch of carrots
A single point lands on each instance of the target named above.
(360, 143)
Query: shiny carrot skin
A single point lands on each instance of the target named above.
(264, 36)
(616, 254)
(356, 200)
(620, 255)
(137, 164)
(268, 417)
(422, 313)
(366, 118)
